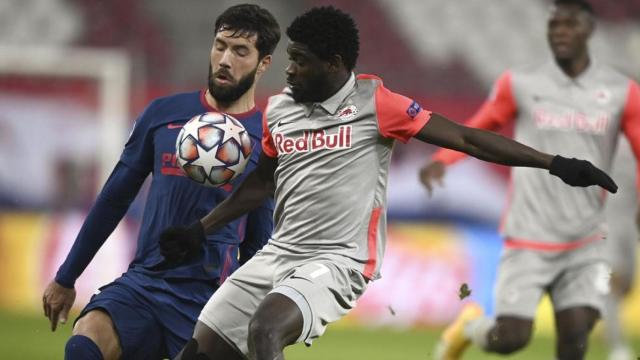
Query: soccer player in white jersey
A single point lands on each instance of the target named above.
(622, 243)
(326, 147)
(574, 106)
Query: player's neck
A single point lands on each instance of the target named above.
(245, 103)
(574, 67)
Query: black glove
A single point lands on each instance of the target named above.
(177, 242)
(577, 172)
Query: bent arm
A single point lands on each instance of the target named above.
(252, 192)
(482, 144)
(111, 205)
(258, 230)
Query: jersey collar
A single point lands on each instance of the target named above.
(239, 116)
(331, 104)
(582, 80)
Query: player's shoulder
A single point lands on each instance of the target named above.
(172, 107)
(609, 74)
(528, 69)
(279, 104)
(176, 101)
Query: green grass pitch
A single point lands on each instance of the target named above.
(29, 337)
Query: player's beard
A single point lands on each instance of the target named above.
(229, 93)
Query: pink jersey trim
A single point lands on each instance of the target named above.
(499, 109)
(268, 146)
(226, 267)
(631, 123)
(372, 243)
(513, 243)
(399, 117)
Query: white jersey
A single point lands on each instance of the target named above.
(556, 114)
(333, 160)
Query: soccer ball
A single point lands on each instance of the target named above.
(213, 148)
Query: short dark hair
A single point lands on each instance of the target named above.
(249, 19)
(582, 4)
(327, 31)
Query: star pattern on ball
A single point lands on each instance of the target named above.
(239, 166)
(231, 130)
(192, 127)
(207, 159)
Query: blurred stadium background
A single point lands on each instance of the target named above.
(74, 73)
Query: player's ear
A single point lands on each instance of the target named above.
(264, 64)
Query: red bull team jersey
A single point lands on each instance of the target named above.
(575, 117)
(333, 159)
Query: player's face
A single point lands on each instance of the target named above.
(568, 31)
(233, 66)
(306, 74)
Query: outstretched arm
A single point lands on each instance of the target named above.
(495, 148)
(481, 144)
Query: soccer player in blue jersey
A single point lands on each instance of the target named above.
(150, 311)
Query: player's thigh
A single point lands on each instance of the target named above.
(229, 310)
(131, 319)
(521, 281)
(97, 326)
(581, 285)
(209, 343)
(324, 292)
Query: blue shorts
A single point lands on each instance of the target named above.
(153, 317)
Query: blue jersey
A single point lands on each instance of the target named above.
(173, 199)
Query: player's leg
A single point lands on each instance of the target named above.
(621, 252)
(94, 337)
(522, 275)
(300, 306)
(223, 325)
(573, 327)
(578, 297)
(120, 323)
(278, 322)
(206, 344)
(508, 335)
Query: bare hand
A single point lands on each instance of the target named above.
(56, 303)
(431, 174)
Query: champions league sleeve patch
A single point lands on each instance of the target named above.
(413, 109)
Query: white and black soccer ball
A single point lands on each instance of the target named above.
(213, 148)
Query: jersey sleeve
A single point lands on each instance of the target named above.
(399, 117)
(138, 151)
(498, 110)
(631, 122)
(119, 191)
(268, 146)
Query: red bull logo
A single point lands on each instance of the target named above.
(314, 140)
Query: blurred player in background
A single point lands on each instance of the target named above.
(150, 311)
(574, 106)
(622, 243)
(326, 150)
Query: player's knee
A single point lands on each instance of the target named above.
(509, 338)
(97, 326)
(264, 331)
(80, 347)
